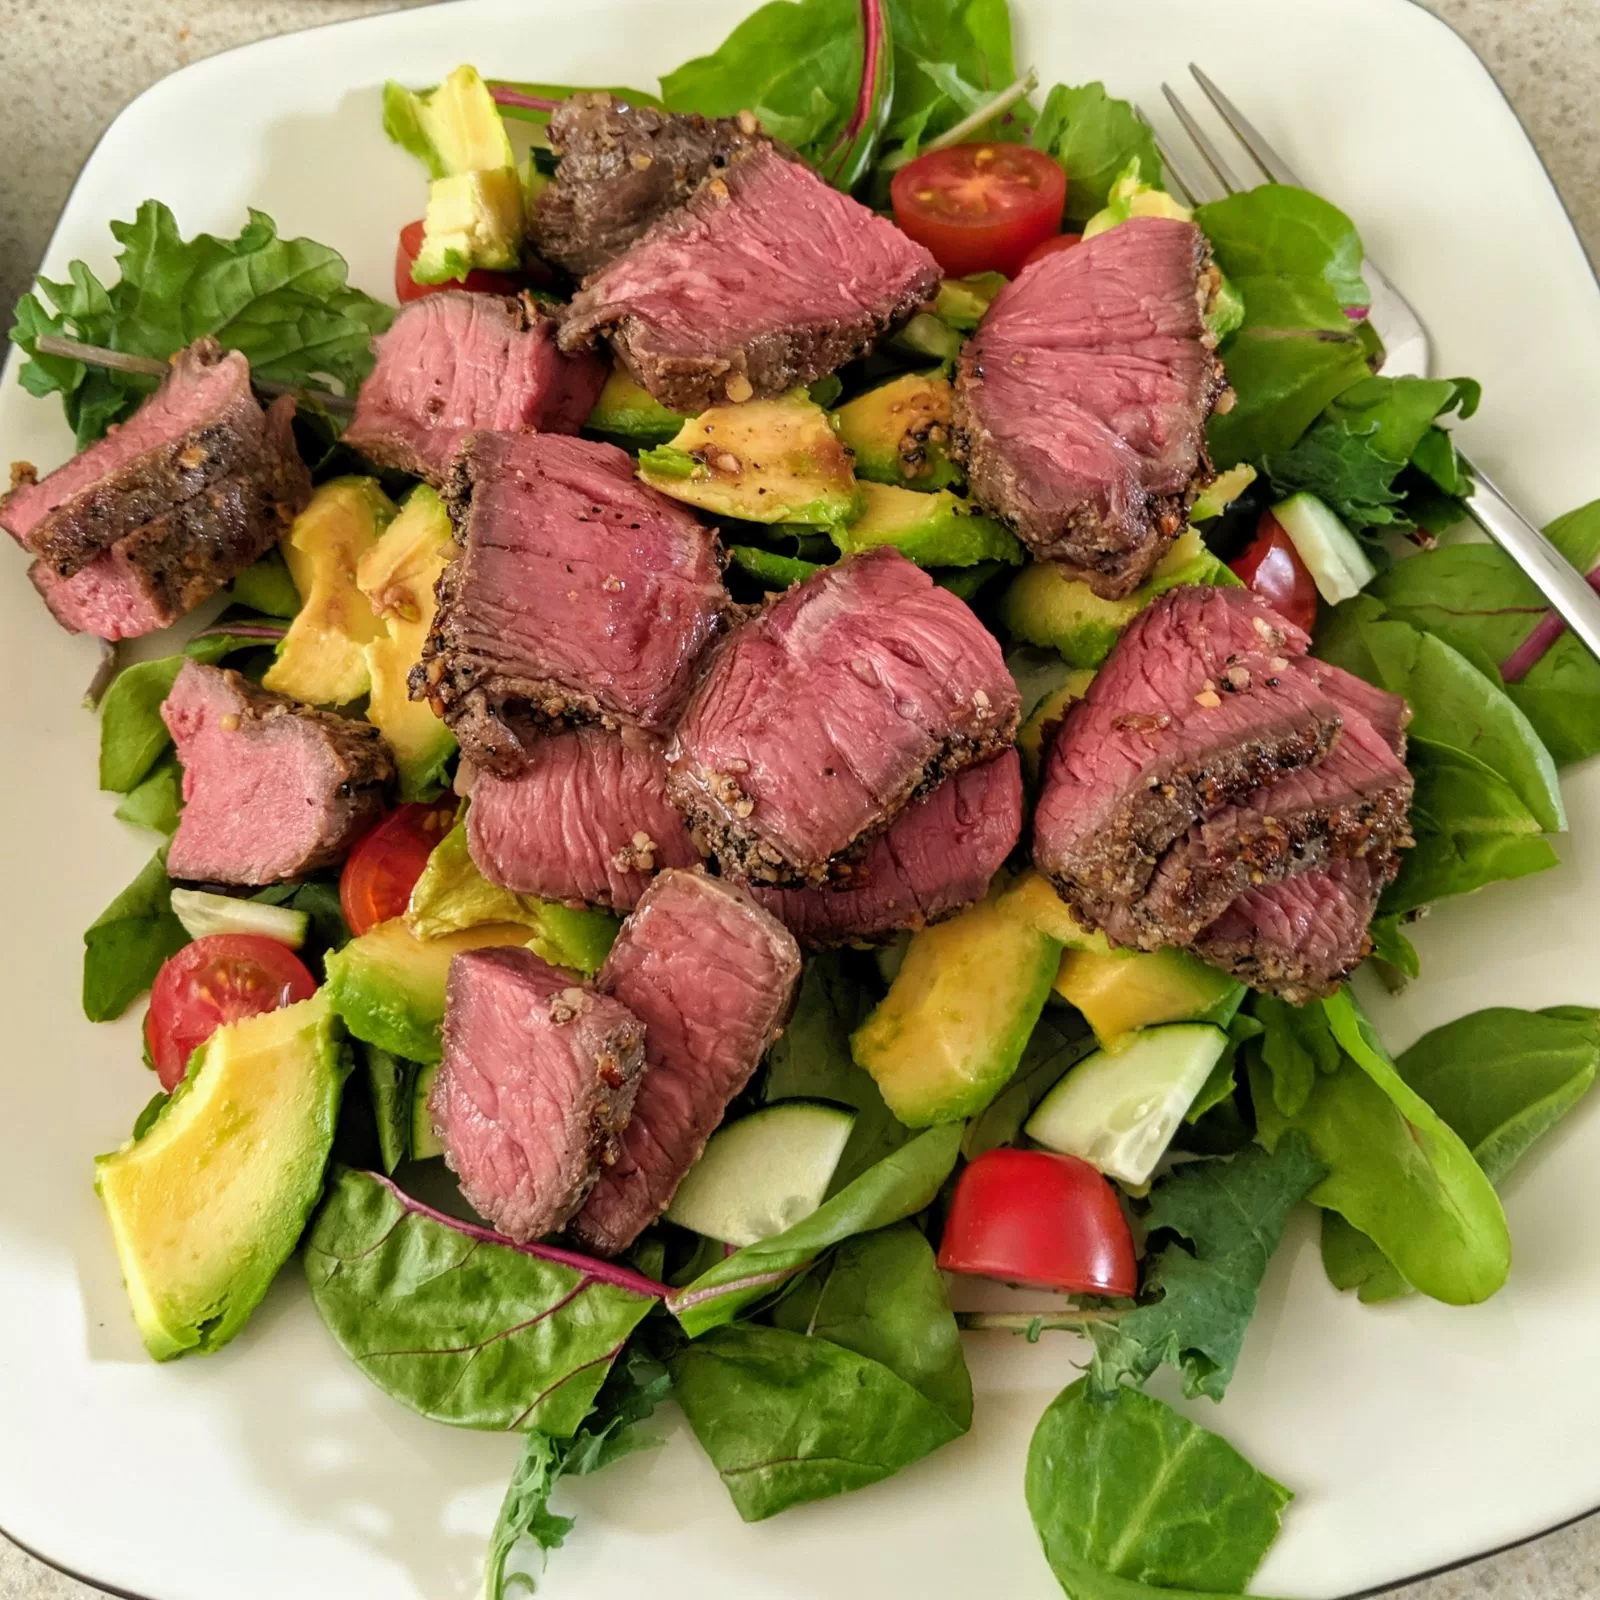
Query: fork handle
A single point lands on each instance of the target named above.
(1557, 579)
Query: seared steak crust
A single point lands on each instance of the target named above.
(621, 168)
(764, 280)
(1081, 401)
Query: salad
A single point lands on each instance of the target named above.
(839, 701)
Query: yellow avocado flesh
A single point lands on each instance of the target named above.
(1126, 990)
(322, 659)
(899, 432)
(397, 575)
(1034, 899)
(208, 1205)
(465, 125)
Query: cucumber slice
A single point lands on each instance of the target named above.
(764, 1173)
(202, 914)
(424, 1141)
(1119, 1111)
(1332, 554)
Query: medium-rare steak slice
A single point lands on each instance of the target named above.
(820, 719)
(271, 788)
(1299, 939)
(1355, 802)
(712, 977)
(580, 595)
(937, 856)
(1081, 401)
(622, 167)
(586, 821)
(1197, 706)
(457, 361)
(765, 279)
(538, 1078)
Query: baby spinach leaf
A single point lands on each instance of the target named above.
(1295, 1046)
(1133, 1501)
(1278, 231)
(1396, 1170)
(1502, 1079)
(132, 734)
(157, 800)
(390, 1081)
(284, 302)
(1094, 136)
(126, 944)
(898, 1186)
(460, 1324)
(1221, 1221)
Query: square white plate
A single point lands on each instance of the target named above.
(1413, 1435)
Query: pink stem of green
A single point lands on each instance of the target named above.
(1531, 651)
(505, 95)
(872, 33)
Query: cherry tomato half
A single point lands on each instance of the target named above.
(1041, 1220)
(980, 207)
(406, 289)
(1062, 241)
(221, 978)
(1272, 567)
(383, 869)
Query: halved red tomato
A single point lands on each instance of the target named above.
(1272, 567)
(406, 290)
(1041, 1220)
(383, 869)
(1062, 241)
(224, 977)
(980, 207)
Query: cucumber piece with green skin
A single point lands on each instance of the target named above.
(763, 1173)
(425, 1142)
(1333, 555)
(1119, 1112)
(203, 914)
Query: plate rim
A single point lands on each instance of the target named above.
(15, 355)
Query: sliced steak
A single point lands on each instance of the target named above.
(586, 821)
(1197, 706)
(110, 598)
(938, 855)
(712, 977)
(766, 279)
(271, 788)
(454, 362)
(580, 595)
(1355, 802)
(1081, 401)
(622, 167)
(822, 717)
(537, 1081)
(1299, 939)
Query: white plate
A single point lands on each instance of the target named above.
(1414, 1435)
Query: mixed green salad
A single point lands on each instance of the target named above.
(792, 1304)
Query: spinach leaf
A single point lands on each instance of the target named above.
(1094, 136)
(126, 944)
(1295, 1046)
(390, 1082)
(812, 1061)
(283, 302)
(156, 801)
(634, 1387)
(1502, 1079)
(1132, 1501)
(462, 1325)
(132, 734)
(1277, 231)
(1222, 1221)
(896, 1187)
(1396, 1171)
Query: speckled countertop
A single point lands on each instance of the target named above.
(1545, 53)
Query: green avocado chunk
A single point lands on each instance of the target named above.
(934, 530)
(948, 1035)
(210, 1199)
(900, 432)
(629, 414)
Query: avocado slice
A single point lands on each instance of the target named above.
(474, 220)
(934, 530)
(761, 460)
(900, 432)
(322, 658)
(1044, 606)
(210, 1199)
(629, 414)
(1054, 706)
(949, 1034)
(398, 575)
(388, 985)
(425, 1143)
(1123, 991)
(962, 302)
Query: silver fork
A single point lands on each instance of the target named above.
(1408, 352)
